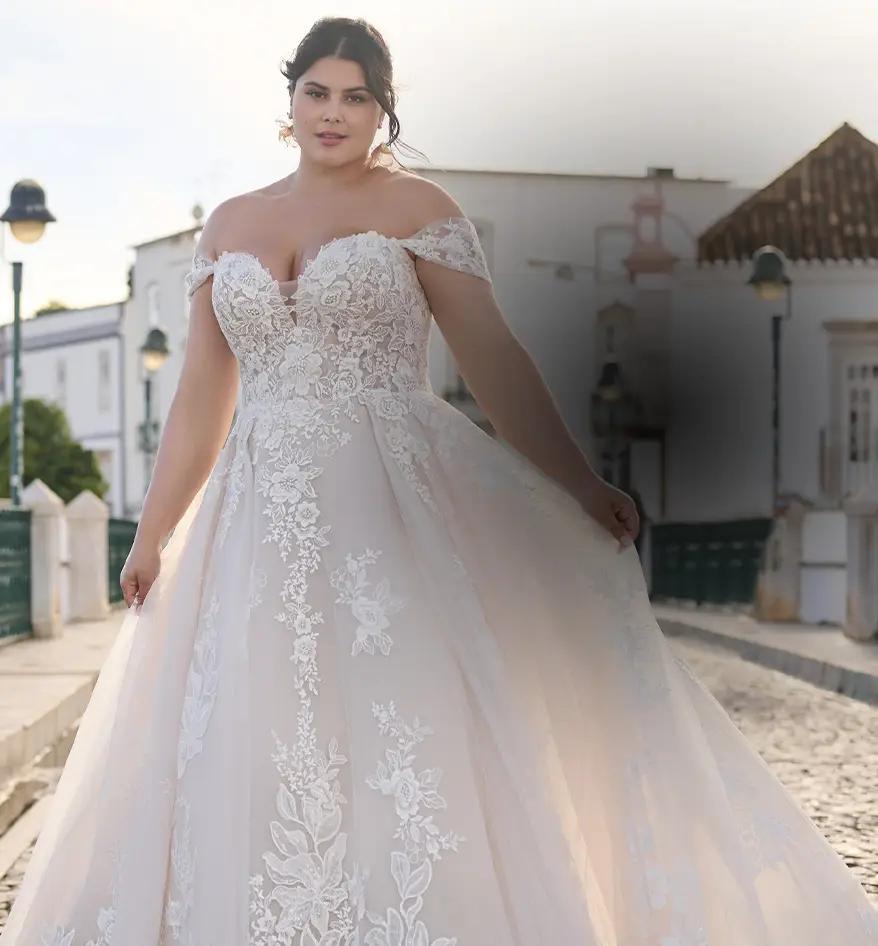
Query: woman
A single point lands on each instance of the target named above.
(391, 683)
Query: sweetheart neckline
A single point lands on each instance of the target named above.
(290, 302)
(309, 263)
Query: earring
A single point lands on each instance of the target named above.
(287, 132)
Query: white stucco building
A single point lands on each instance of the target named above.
(72, 358)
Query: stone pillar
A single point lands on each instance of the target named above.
(861, 509)
(779, 583)
(47, 510)
(87, 525)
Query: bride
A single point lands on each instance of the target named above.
(390, 682)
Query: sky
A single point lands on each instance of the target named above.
(130, 113)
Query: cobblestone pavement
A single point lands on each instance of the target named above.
(823, 747)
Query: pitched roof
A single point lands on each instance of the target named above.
(824, 207)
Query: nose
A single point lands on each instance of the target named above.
(331, 114)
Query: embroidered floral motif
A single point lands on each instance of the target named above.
(311, 892)
(314, 899)
(423, 841)
(395, 776)
(177, 908)
(258, 582)
(371, 610)
(53, 935)
(201, 684)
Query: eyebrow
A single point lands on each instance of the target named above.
(356, 88)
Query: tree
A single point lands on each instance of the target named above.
(50, 452)
(53, 305)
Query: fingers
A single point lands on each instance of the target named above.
(610, 521)
(626, 525)
(134, 591)
(129, 589)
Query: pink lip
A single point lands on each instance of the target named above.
(330, 136)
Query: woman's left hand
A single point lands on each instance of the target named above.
(613, 509)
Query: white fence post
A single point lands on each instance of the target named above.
(861, 621)
(47, 511)
(778, 590)
(88, 542)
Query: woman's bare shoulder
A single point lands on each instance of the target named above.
(227, 218)
(425, 200)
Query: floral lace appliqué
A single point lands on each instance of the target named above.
(371, 607)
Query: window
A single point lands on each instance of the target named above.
(860, 434)
(859, 424)
(103, 380)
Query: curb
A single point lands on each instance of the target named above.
(856, 684)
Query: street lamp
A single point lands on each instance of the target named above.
(153, 354)
(770, 281)
(612, 410)
(27, 216)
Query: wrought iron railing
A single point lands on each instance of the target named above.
(708, 562)
(121, 537)
(15, 572)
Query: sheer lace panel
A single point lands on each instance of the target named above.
(452, 241)
(201, 268)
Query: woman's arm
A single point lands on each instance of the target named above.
(502, 375)
(510, 390)
(200, 414)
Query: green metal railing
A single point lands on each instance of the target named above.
(15, 617)
(121, 537)
(713, 562)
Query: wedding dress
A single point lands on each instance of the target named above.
(393, 687)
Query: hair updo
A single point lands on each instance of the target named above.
(355, 39)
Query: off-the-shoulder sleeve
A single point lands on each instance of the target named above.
(202, 267)
(452, 241)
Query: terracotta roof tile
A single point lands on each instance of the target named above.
(825, 207)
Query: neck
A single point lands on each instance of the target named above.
(314, 176)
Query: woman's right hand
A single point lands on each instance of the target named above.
(140, 570)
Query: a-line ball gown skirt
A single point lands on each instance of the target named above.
(393, 687)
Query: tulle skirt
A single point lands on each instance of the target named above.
(407, 693)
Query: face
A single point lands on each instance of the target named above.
(332, 97)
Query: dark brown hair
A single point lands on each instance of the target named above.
(345, 38)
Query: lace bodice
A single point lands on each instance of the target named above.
(356, 325)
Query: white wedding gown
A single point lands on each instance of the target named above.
(393, 687)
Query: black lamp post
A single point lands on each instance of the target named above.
(27, 216)
(770, 281)
(154, 353)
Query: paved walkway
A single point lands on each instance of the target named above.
(823, 746)
(45, 686)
